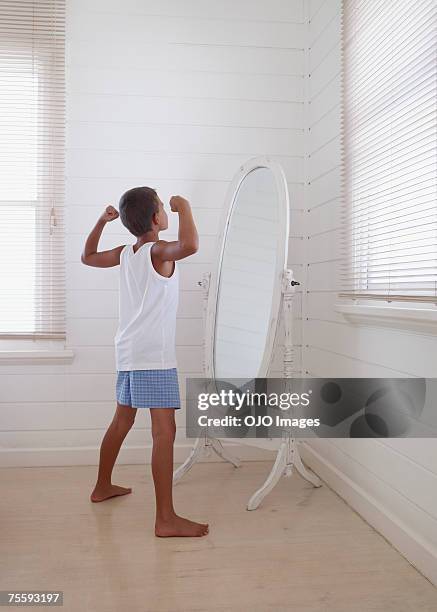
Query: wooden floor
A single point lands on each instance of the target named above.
(303, 549)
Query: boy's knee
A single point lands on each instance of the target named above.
(164, 432)
(124, 422)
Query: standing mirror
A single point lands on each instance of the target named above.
(243, 295)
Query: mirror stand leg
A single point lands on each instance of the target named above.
(195, 454)
(272, 479)
(288, 456)
(223, 452)
(202, 447)
(303, 471)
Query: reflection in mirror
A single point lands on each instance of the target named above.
(247, 277)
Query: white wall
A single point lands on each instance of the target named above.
(392, 483)
(175, 95)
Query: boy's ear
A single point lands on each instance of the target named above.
(155, 218)
(156, 213)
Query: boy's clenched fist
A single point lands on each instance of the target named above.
(110, 214)
(176, 202)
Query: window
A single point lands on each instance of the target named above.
(32, 295)
(389, 164)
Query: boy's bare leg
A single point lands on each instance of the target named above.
(167, 522)
(117, 431)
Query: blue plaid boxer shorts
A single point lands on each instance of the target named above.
(148, 388)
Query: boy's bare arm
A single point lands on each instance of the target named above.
(103, 259)
(188, 239)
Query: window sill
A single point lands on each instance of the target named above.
(36, 352)
(412, 319)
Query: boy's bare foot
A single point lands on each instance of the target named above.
(101, 493)
(179, 526)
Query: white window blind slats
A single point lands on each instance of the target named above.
(32, 124)
(403, 94)
(376, 120)
(397, 55)
(394, 28)
(412, 190)
(392, 224)
(388, 151)
(361, 17)
(408, 218)
(412, 235)
(410, 264)
(422, 138)
(411, 214)
(421, 153)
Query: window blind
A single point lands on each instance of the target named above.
(32, 123)
(388, 142)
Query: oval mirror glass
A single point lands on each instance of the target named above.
(247, 277)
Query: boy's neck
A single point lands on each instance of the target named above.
(148, 237)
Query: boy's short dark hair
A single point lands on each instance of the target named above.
(136, 208)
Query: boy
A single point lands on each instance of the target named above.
(145, 341)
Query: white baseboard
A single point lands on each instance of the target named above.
(88, 455)
(409, 544)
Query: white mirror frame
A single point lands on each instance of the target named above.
(281, 260)
(288, 455)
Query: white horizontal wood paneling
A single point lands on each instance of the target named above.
(168, 60)
(318, 106)
(201, 193)
(175, 95)
(210, 166)
(227, 10)
(138, 436)
(392, 482)
(365, 343)
(329, 363)
(226, 113)
(324, 187)
(184, 139)
(104, 28)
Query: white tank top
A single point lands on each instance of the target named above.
(148, 302)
